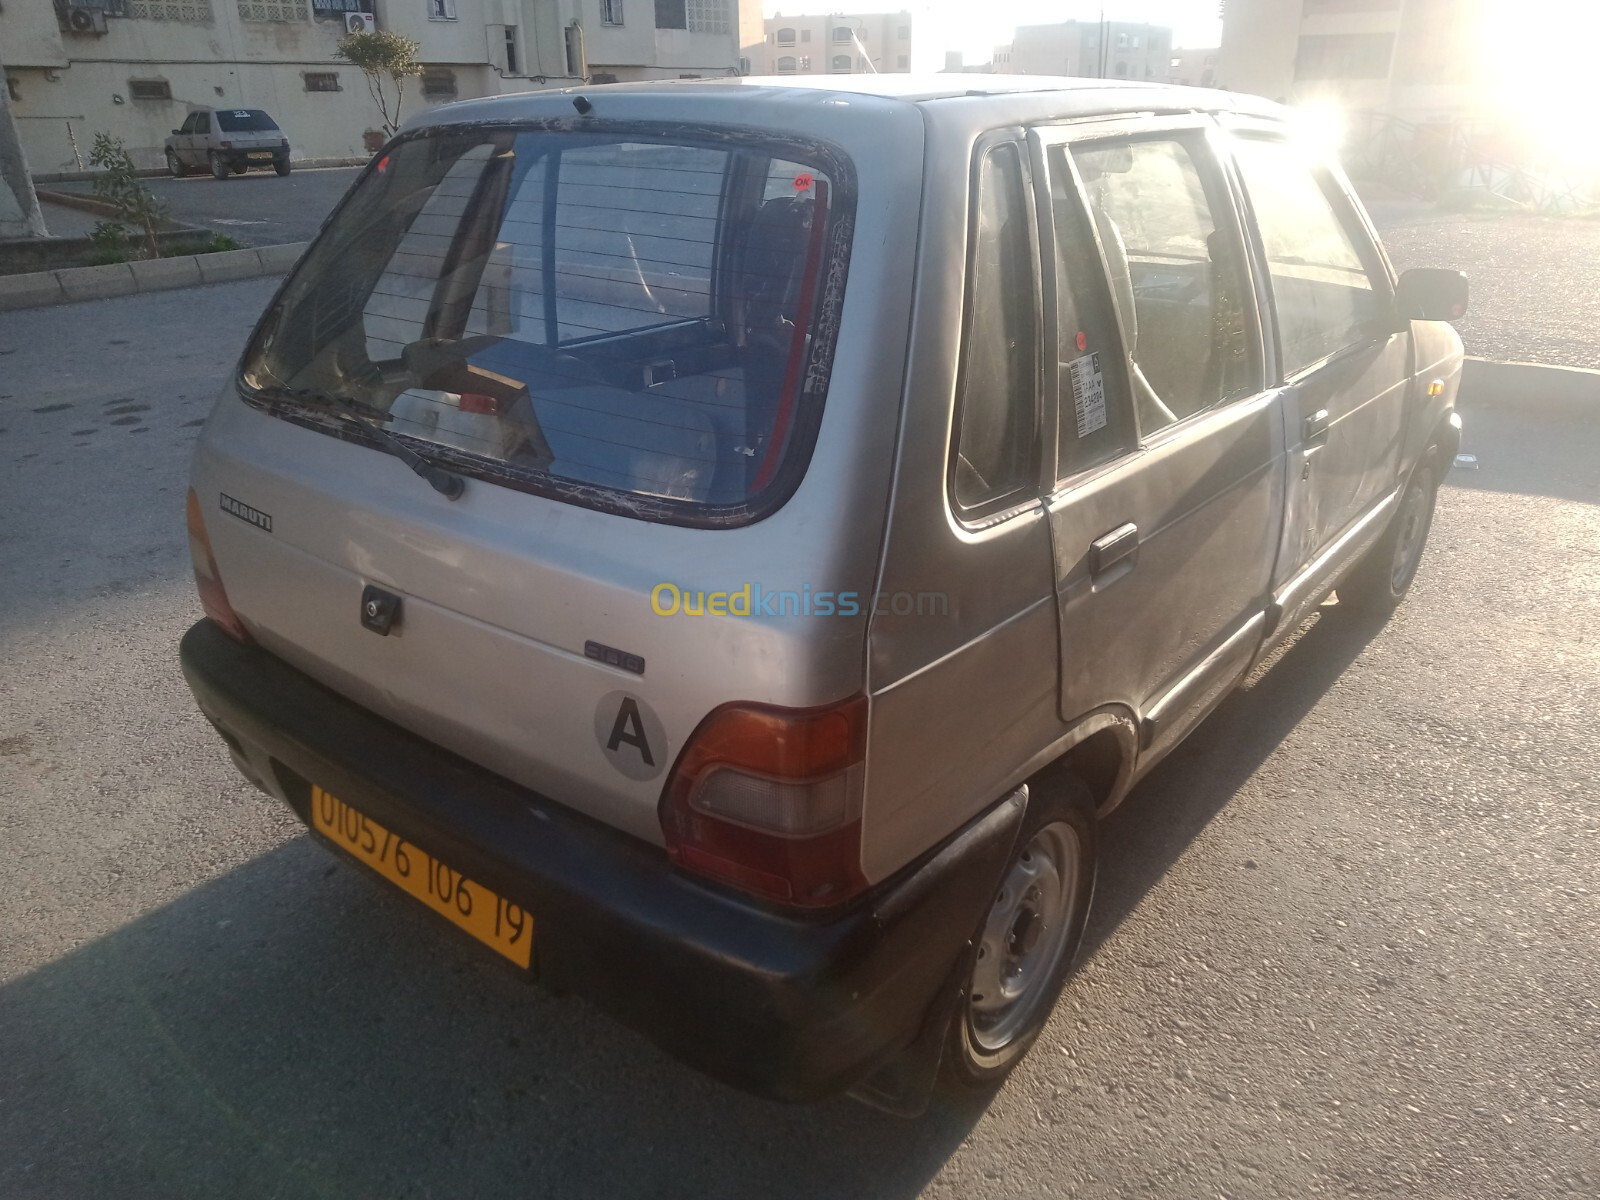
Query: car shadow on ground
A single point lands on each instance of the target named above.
(293, 1028)
(1144, 836)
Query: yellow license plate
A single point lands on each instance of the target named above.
(492, 919)
(260, 154)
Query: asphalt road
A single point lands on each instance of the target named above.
(257, 208)
(1345, 943)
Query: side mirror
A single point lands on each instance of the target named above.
(1431, 294)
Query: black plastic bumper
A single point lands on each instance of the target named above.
(787, 1007)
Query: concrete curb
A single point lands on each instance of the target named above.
(68, 285)
(306, 164)
(1531, 386)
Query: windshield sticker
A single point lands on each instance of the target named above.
(1088, 393)
(630, 734)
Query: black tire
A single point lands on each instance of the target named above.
(219, 169)
(1378, 583)
(241, 168)
(281, 166)
(987, 1038)
(175, 166)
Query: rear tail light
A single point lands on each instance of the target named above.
(769, 800)
(225, 145)
(207, 579)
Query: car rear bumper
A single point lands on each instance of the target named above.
(793, 1008)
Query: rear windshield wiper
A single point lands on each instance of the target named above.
(446, 482)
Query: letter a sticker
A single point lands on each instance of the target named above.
(630, 735)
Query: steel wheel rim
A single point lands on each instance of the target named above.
(1024, 937)
(1413, 528)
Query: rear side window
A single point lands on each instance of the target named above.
(1323, 294)
(641, 324)
(244, 120)
(999, 372)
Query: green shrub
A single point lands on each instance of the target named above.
(118, 185)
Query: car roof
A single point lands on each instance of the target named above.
(1031, 92)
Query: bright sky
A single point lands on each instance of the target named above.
(975, 27)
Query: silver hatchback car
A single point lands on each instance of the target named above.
(834, 496)
(224, 140)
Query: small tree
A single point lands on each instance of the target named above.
(383, 55)
(118, 185)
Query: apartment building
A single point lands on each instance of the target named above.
(1422, 60)
(1194, 67)
(1097, 49)
(136, 68)
(839, 44)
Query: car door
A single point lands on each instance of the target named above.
(180, 138)
(200, 140)
(1166, 514)
(1344, 359)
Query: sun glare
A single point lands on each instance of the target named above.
(1538, 57)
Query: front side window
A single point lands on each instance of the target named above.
(638, 324)
(202, 123)
(998, 404)
(1322, 292)
(1177, 273)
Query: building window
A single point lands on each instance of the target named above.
(805, 35)
(841, 64)
(1122, 70)
(337, 9)
(841, 34)
(1122, 41)
(196, 11)
(903, 63)
(1344, 56)
(786, 65)
(744, 66)
(272, 10)
(611, 12)
(708, 16)
(438, 81)
(785, 37)
(805, 62)
(441, 10)
(672, 14)
(512, 67)
(322, 81)
(149, 89)
(904, 33)
(13, 91)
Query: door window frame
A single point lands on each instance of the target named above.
(1026, 495)
(1347, 211)
(1186, 129)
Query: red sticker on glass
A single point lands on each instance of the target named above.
(1083, 341)
(802, 181)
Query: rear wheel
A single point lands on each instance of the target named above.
(175, 166)
(281, 166)
(1381, 580)
(219, 169)
(1023, 952)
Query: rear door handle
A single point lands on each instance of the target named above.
(1315, 429)
(1120, 545)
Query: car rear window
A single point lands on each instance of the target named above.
(245, 120)
(638, 322)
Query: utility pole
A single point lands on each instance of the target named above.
(19, 206)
